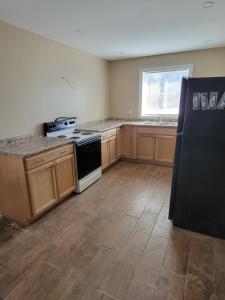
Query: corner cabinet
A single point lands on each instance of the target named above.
(139, 143)
(40, 182)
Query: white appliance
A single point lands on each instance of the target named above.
(87, 149)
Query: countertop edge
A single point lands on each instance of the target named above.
(127, 124)
(14, 154)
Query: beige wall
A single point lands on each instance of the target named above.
(124, 75)
(31, 91)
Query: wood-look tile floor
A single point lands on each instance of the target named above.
(113, 241)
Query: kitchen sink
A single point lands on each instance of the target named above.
(168, 124)
(152, 123)
(160, 123)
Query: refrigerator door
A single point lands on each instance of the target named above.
(178, 146)
(199, 202)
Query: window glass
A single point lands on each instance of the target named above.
(161, 91)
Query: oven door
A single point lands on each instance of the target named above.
(88, 157)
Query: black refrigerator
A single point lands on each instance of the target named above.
(198, 187)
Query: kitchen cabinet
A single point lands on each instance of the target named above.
(139, 143)
(112, 150)
(145, 146)
(155, 148)
(109, 148)
(30, 186)
(105, 154)
(165, 148)
(119, 142)
(156, 144)
(127, 141)
(65, 175)
(52, 181)
(42, 187)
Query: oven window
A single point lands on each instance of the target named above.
(88, 158)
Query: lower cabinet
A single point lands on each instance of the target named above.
(30, 186)
(165, 148)
(153, 144)
(109, 151)
(119, 141)
(42, 187)
(127, 141)
(65, 175)
(105, 154)
(112, 150)
(51, 182)
(155, 148)
(145, 146)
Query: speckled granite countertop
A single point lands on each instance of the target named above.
(110, 124)
(30, 145)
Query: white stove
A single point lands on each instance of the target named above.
(77, 135)
(87, 146)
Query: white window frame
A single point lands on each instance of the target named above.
(156, 70)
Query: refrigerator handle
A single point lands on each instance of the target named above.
(183, 100)
(180, 133)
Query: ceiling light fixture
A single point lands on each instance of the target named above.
(208, 4)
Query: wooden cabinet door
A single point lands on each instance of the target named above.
(127, 141)
(119, 142)
(165, 148)
(112, 150)
(145, 146)
(105, 153)
(65, 175)
(42, 188)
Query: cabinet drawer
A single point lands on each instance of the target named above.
(40, 159)
(108, 134)
(156, 130)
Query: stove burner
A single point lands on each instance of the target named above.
(77, 131)
(75, 137)
(87, 133)
(61, 136)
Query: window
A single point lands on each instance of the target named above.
(160, 90)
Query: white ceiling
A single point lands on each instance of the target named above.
(121, 28)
